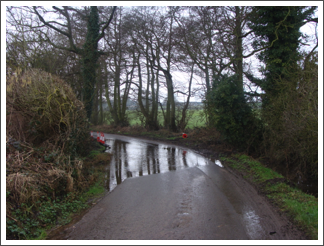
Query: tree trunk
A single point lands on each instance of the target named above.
(238, 64)
(89, 59)
(170, 114)
(94, 111)
(100, 121)
(149, 110)
(183, 120)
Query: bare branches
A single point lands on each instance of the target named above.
(67, 33)
(107, 24)
(83, 16)
(49, 24)
(67, 27)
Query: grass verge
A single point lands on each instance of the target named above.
(300, 207)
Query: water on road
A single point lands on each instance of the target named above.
(133, 157)
(160, 191)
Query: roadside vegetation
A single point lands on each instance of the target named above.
(36, 220)
(49, 161)
(300, 207)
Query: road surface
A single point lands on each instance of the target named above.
(197, 202)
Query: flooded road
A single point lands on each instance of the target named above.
(134, 157)
(160, 191)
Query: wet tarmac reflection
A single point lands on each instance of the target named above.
(134, 157)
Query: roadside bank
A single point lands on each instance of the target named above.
(36, 220)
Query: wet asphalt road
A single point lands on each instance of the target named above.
(174, 205)
(197, 202)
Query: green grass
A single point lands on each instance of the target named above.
(196, 118)
(42, 236)
(299, 206)
(303, 208)
(172, 138)
(94, 191)
(257, 170)
(99, 150)
(94, 153)
(32, 222)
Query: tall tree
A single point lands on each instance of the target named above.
(120, 70)
(163, 53)
(158, 47)
(288, 90)
(278, 28)
(184, 113)
(198, 33)
(147, 86)
(89, 52)
(90, 57)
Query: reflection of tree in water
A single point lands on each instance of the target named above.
(140, 171)
(120, 156)
(148, 159)
(171, 159)
(184, 158)
(129, 174)
(152, 157)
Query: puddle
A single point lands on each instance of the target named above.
(252, 225)
(134, 157)
(218, 163)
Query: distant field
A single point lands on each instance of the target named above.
(197, 118)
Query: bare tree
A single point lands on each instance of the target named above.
(65, 26)
(161, 58)
(120, 70)
(147, 90)
(199, 32)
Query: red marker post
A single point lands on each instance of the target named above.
(102, 138)
(98, 137)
